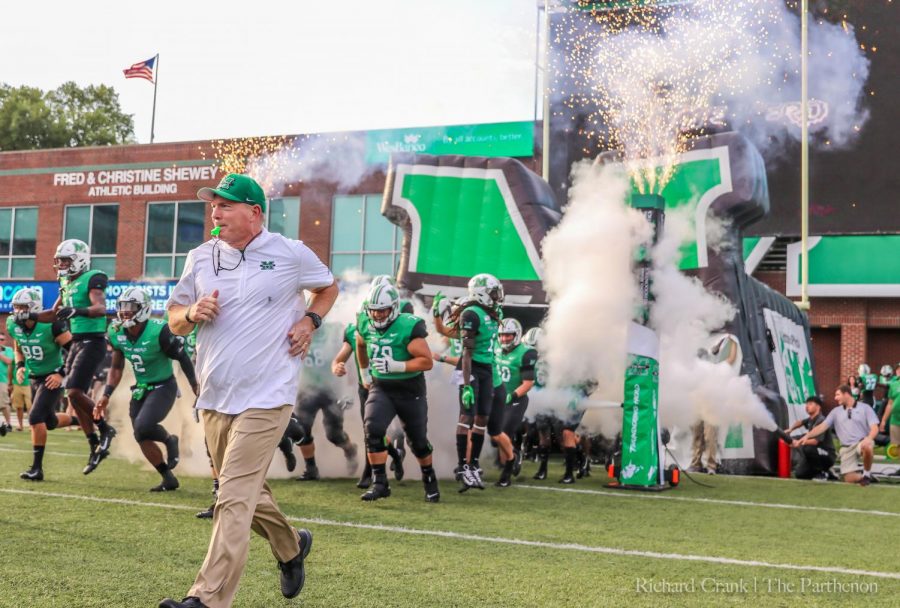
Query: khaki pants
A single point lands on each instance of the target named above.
(706, 437)
(241, 448)
(21, 397)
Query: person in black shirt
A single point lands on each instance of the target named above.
(815, 456)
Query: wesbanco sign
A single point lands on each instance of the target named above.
(134, 182)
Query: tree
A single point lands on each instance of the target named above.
(68, 116)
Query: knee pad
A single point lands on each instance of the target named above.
(336, 436)
(305, 434)
(421, 450)
(375, 443)
(52, 421)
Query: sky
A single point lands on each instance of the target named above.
(240, 69)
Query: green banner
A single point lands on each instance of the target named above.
(854, 266)
(491, 140)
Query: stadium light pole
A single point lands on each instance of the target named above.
(545, 145)
(804, 157)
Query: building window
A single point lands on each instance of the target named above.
(283, 216)
(173, 229)
(18, 238)
(361, 237)
(98, 226)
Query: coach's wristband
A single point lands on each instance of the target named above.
(108, 391)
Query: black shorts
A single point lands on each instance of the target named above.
(85, 356)
(483, 383)
(547, 423)
(363, 394)
(498, 411)
(404, 399)
(147, 413)
(44, 402)
(309, 404)
(573, 420)
(515, 414)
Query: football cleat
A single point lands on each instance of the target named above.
(310, 474)
(94, 460)
(169, 483)
(376, 491)
(172, 456)
(432, 493)
(567, 479)
(106, 439)
(207, 514)
(33, 474)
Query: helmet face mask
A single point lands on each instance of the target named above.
(887, 371)
(510, 334)
(27, 300)
(383, 305)
(486, 290)
(133, 307)
(72, 258)
(864, 369)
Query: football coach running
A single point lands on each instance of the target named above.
(244, 292)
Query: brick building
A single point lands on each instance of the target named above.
(136, 206)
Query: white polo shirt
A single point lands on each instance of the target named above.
(242, 356)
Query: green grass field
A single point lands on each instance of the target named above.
(104, 540)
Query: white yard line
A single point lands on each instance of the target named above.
(718, 501)
(494, 539)
(47, 453)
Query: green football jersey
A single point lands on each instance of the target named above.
(350, 338)
(150, 364)
(42, 354)
(868, 382)
(512, 363)
(474, 317)
(894, 395)
(190, 343)
(393, 342)
(316, 363)
(76, 294)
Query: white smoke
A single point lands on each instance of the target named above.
(687, 319)
(338, 158)
(589, 281)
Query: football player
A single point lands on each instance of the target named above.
(38, 354)
(150, 347)
(82, 302)
(393, 354)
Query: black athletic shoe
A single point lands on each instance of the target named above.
(33, 474)
(458, 473)
(2, 430)
(94, 460)
(172, 456)
(352, 456)
(502, 483)
(584, 470)
(106, 439)
(310, 474)
(365, 481)
(207, 514)
(567, 479)
(293, 573)
(188, 602)
(432, 493)
(376, 491)
(290, 461)
(169, 483)
(517, 463)
(865, 481)
(397, 463)
(541, 473)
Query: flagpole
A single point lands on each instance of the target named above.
(155, 83)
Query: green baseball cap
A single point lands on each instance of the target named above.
(238, 188)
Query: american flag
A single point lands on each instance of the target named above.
(143, 69)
